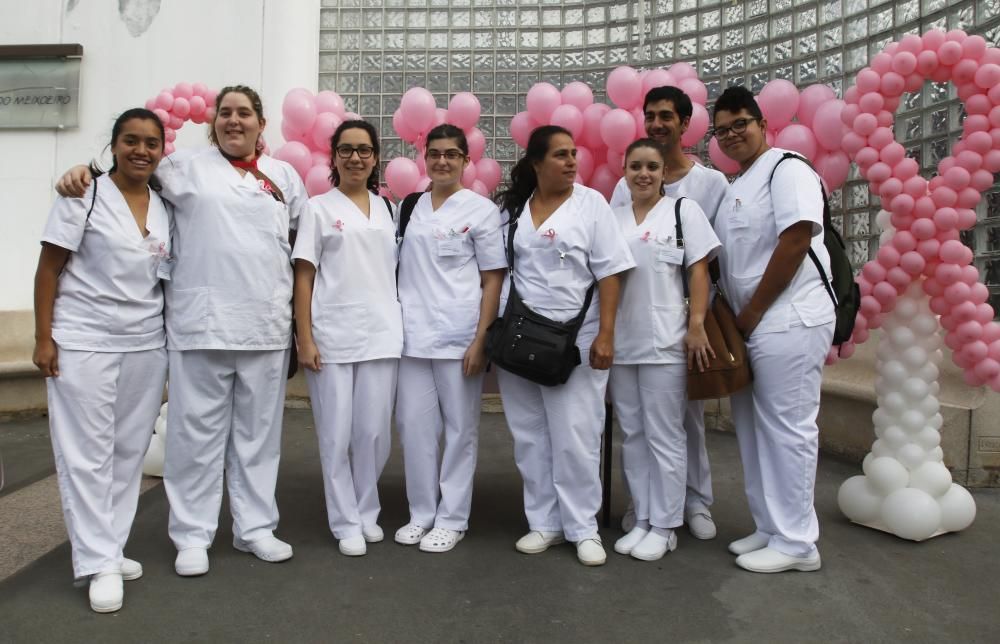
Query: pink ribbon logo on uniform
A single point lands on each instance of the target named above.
(550, 234)
(339, 225)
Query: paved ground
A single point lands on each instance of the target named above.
(872, 588)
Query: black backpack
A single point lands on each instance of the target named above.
(405, 210)
(843, 290)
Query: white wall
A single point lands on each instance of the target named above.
(271, 45)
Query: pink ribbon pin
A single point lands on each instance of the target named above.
(551, 234)
(339, 225)
(645, 237)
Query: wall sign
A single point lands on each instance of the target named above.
(39, 86)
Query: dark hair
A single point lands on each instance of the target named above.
(735, 99)
(141, 114)
(681, 101)
(249, 92)
(523, 179)
(357, 124)
(652, 145)
(449, 131)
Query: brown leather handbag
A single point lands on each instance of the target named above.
(729, 371)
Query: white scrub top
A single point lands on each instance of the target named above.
(652, 316)
(440, 258)
(108, 297)
(231, 286)
(355, 313)
(706, 186)
(751, 218)
(555, 265)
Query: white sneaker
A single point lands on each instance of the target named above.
(624, 545)
(440, 540)
(410, 534)
(769, 560)
(353, 546)
(191, 562)
(372, 534)
(653, 546)
(270, 548)
(755, 541)
(535, 542)
(590, 552)
(131, 569)
(701, 525)
(106, 592)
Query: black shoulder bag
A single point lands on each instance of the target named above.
(531, 345)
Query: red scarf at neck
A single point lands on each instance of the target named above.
(244, 165)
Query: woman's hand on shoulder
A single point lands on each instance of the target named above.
(75, 182)
(46, 358)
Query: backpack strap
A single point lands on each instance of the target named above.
(405, 210)
(679, 232)
(93, 200)
(388, 205)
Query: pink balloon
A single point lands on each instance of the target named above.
(480, 188)
(779, 100)
(401, 176)
(165, 100)
(695, 89)
(469, 175)
(833, 167)
(463, 110)
(640, 123)
(697, 127)
(949, 52)
(569, 117)
(419, 110)
(811, 99)
(872, 103)
(825, 120)
(865, 124)
(488, 171)
(477, 144)
(852, 142)
(912, 262)
(719, 159)
(591, 135)
(324, 126)
(656, 78)
(625, 88)
(328, 101)
(617, 129)
(317, 180)
(604, 181)
(163, 115)
(577, 94)
(423, 183)
(197, 107)
(616, 163)
(297, 155)
(868, 80)
(440, 117)
(797, 138)
(176, 122)
(319, 158)
(542, 99)
(584, 165)
(181, 108)
(402, 127)
(299, 110)
(521, 127)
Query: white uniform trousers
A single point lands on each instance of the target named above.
(775, 421)
(649, 400)
(557, 448)
(225, 415)
(699, 473)
(101, 413)
(435, 402)
(352, 407)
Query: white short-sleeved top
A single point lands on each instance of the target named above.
(652, 315)
(108, 297)
(706, 186)
(440, 258)
(751, 218)
(231, 286)
(355, 311)
(555, 264)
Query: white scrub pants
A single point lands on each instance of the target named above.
(699, 473)
(557, 448)
(352, 407)
(102, 408)
(225, 415)
(649, 400)
(775, 421)
(435, 402)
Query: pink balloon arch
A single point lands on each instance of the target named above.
(177, 105)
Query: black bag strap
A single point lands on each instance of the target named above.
(93, 200)
(679, 233)
(513, 295)
(406, 210)
(827, 221)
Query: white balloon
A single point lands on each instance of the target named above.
(958, 509)
(906, 309)
(858, 501)
(928, 438)
(903, 337)
(929, 406)
(880, 450)
(933, 478)
(936, 454)
(894, 437)
(911, 456)
(866, 462)
(936, 357)
(883, 219)
(914, 357)
(886, 474)
(912, 420)
(884, 387)
(936, 421)
(152, 464)
(911, 514)
(160, 425)
(915, 388)
(894, 403)
(928, 373)
(893, 371)
(935, 388)
(930, 343)
(880, 418)
(924, 324)
(885, 350)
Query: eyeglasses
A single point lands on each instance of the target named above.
(451, 155)
(364, 151)
(739, 126)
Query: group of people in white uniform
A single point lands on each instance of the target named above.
(391, 309)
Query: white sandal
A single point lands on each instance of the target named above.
(410, 534)
(440, 540)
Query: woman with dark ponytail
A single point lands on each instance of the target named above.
(565, 240)
(99, 341)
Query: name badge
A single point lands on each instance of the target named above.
(164, 268)
(449, 247)
(671, 255)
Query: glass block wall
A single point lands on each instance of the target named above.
(371, 52)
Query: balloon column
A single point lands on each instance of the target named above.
(921, 258)
(418, 113)
(184, 102)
